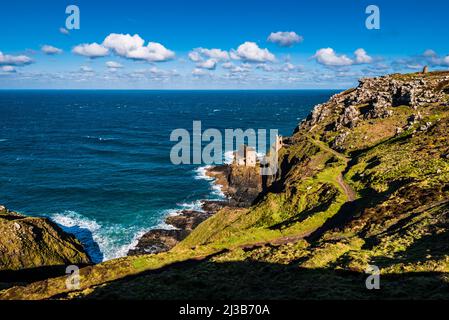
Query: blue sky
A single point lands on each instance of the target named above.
(231, 44)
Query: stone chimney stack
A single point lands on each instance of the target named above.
(425, 69)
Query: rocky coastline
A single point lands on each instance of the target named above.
(240, 185)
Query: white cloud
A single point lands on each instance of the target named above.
(446, 60)
(208, 64)
(93, 50)
(227, 65)
(199, 72)
(414, 66)
(289, 67)
(208, 58)
(250, 51)
(50, 50)
(8, 69)
(86, 69)
(195, 56)
(217, 54)
(132, 47)
(431, 58)
(265, 67)
(63, 31)
(328, 57)
(122, 44)
(234, 55)
(155, 73)
(113, 65)
(240, 69)
(153, 52)
(20, 60)
(362, 57)
(429, 53)
(285, 38)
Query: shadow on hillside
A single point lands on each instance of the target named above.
(433, 246)
(10, 278)
(354, 209)
(259, 280)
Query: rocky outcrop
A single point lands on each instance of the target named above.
(29, 242)
(377, 98)
(158, 240)
(187, 219)
(240, 184)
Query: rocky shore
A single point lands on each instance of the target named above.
(241, 185)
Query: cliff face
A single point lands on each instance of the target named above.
(363, 181)
(240, 184)
(27, 242)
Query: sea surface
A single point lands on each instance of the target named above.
(98, 162)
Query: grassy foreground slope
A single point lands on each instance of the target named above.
(363, 181)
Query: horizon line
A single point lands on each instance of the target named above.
(96, 89)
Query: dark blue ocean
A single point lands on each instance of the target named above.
(98, 163)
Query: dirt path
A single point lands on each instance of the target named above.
(349, 192)
(351, 195)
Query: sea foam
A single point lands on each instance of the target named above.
(100, 241)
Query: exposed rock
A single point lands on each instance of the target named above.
(212, 206)
(425, 126)
(158, 240)
(187, 219)
(414, 118)
(336, 144)
(28, 242)
(350, 117)
(240, 184)
(399, 131)
(378, 97)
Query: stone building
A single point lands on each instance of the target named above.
(246, 156)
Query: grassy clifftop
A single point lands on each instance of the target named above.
(363, 181)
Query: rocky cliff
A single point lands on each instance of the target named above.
(28, 243)
(362, 183)
(240, 184)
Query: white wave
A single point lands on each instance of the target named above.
(123, 250)
(217, 190)
(196, 205)
(201, 173)
(102, 242)
(3, 140)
